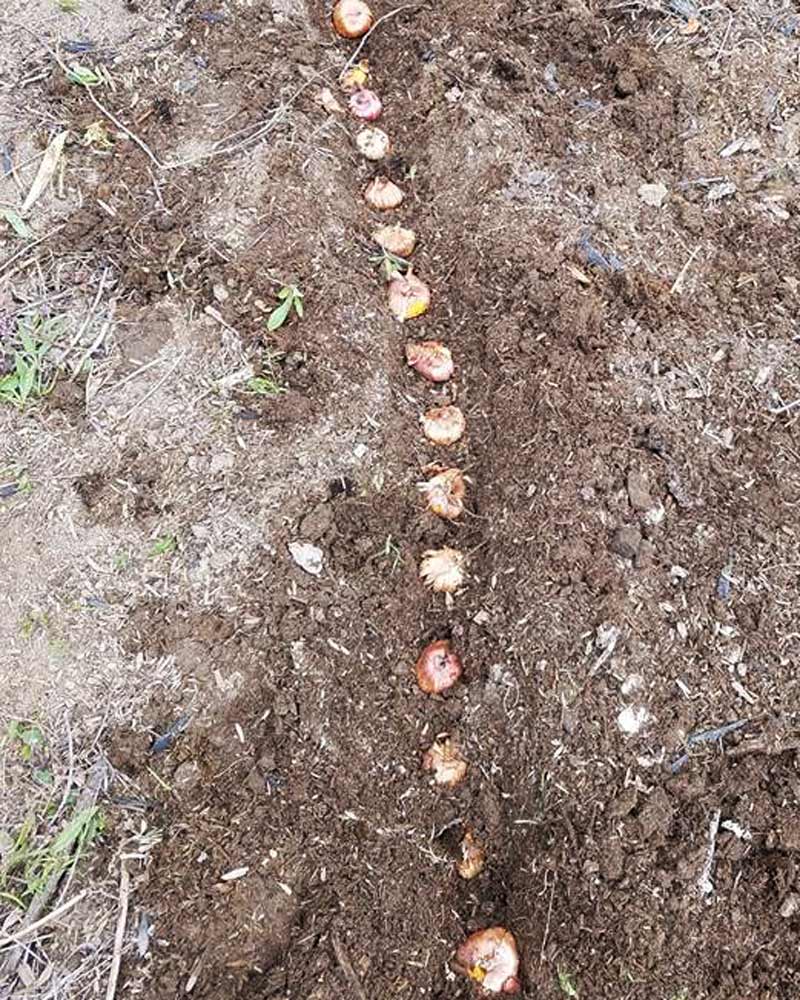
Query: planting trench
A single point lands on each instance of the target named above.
(606, 501)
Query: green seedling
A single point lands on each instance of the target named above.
(31, 377)
(122, 560)
(390, 264)
(27, 737)
(164, 546)
(264, 385)
(291, 298)
(566, 981)
(84, 76)
(69, 6)
(58, 648)
(268, 382)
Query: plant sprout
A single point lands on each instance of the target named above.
(291, 298)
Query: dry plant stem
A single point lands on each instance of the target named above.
(71, 754)
(40, 901)
(27, 247)
(347, 966)
(88, 319)
(119, 936)
(354, 57)
(153, 391)
(42, 922)
(677, 286)
(546, 934)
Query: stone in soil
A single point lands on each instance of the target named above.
(626, 541)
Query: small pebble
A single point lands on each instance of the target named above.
(308, 557)
(653, 194)
(626, 541)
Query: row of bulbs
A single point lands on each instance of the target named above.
(489, 956)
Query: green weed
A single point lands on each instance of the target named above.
(164, 546)
(32, 622)
(566, 981)
(17, 223)
(32, 376)
(264, 385)
(27, 737)
(291, 298)
(69, 6)
(28, 867)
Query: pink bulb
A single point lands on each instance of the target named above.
(366, 105)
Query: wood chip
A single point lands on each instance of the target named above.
(578, 274)
(234, 874)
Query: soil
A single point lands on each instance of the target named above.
(632, 527)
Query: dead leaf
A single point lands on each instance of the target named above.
(47, 169)
(329, 102)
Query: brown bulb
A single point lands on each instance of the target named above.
(430, 359)
(438, 667)
(443, 424)
(351, 18)
(383, 194)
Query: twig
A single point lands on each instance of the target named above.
(123, 128)
(704, 884)
(16, 937)
(347, 966)
(786, 408)
(547, 922)
(29, 246)
(152, 392)
(677, 286)
(98, 340)
(83, 327)
(119, 937)
(363, 42)
(71, 755)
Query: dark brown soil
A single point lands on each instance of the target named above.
(593, 397)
